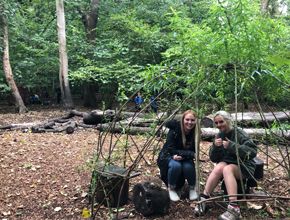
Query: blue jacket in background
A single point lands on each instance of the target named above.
(138, 100)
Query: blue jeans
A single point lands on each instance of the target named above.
(175, 169)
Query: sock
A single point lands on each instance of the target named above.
(234, 204)
(204, 196)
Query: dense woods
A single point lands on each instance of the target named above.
(204, 55)
(118, 47)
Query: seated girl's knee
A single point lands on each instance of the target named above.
(188, 165)
(175, 164)
(218, 169)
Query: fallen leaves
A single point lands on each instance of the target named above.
(6, 213)
(51, 163)
(33, 185)
(45, 203)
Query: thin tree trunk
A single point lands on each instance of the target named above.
(6, 64)
(63, 61)
(90, 22)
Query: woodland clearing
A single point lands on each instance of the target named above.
(42, 176)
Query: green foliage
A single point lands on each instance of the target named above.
(190, 43)
(235, 37)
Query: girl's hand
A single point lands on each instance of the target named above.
(218, 141)
(226, 143)
(177, 158)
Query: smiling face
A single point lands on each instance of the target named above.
(188, 123)
(222, 124)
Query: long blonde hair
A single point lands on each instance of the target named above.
(182, 126)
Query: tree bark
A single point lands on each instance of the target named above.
(151, 197)
(63, 61)
(90, 99)
(6, 64)
(264, 5)
(90, 22)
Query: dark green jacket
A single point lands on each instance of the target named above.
(247, 150)
(172, 146)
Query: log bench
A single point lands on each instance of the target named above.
(248, 183)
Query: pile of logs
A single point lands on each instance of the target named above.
(140, 123)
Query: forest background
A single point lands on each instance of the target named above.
(202, 55)
(117, 47)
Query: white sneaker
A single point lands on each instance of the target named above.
(201, 209)
(231, 214)
(192, 194)
(173, 196)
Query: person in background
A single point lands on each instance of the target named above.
(175, 160)
(153, 104)
(138, 101)
(58, 92)
(45, 94)
(223, 152)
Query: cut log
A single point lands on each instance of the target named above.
(206, 122)
(252, 117)
(151, 197)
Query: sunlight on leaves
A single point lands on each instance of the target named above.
(254, 206)
(63, 193)
(57, 209)
(44, 204)
(120, 210)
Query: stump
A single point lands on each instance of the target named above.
(151, 197)
(113, 186)
(259, 171)
(250, 182)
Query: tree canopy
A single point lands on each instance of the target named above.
(187, 44)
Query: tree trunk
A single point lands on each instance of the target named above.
(264, 5)
(63, 70)
(90, 23)
(90, 99)
(6, 64)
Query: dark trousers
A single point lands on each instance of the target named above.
(58, 97)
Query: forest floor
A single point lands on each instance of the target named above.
(40, 175)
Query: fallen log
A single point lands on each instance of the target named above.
(139, 122)
(209, 133)
(253, 118)
(98, 116)
(82, 124)
(69, 128)
(123, 129)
